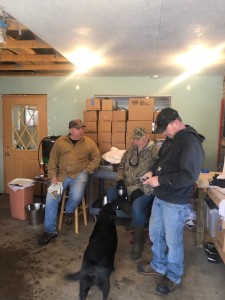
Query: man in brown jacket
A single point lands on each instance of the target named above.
(73, 157)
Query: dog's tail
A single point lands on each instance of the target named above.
(73, 276)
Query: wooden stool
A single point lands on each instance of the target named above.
(79, 210)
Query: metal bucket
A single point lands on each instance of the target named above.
(35, 213)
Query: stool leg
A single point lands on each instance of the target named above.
(62, 210)
(84, 211)
(76, 221)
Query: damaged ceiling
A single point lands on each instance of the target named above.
(134, 37)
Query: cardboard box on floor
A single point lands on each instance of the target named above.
(120, 115)
(104, 126)
(131, 125)
(109, 104)
(92, 135)
(119, 126)
(104, 137)
(104, 147)
(118, 137)
(90, 115)
(141, 109)
(93, 104)
(90, 127)
(105, 115)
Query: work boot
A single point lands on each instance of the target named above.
(138, 243)
(129, 226)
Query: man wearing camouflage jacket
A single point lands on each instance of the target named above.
(135, 162)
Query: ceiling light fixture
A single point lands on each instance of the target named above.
(155, 76)
(84, 59)
(3, 27)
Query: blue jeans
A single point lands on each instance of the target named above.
(166, 233)
(77, 187)
(140, 207)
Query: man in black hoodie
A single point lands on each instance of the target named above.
(173, 176)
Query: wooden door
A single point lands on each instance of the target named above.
(24, 126)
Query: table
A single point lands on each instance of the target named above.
(101, 174)
(217, 197)
(202, 185)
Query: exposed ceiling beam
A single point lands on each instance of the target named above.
(52, 67)
(32, 57)
(14, 25)
(12, 44)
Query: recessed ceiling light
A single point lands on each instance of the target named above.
(155, 76)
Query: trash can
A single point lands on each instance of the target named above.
(36, 213)
(21, 194)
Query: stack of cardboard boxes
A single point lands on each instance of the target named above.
(110, 126)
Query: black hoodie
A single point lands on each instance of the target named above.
(178, 166)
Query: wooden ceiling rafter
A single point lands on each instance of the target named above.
(24, 56)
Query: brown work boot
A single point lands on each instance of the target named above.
(166, 286)
(146, 269)
(138, 243)
(69, 218)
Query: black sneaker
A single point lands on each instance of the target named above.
(46, 238)
(69, 218)
(166, 286)
(210, 247)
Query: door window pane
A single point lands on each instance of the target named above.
(25, 127)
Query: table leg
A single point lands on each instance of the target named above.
(200, 225)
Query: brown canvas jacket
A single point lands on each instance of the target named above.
(67, 159)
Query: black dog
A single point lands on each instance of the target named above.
(98, 259)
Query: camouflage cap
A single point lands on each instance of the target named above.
(76, 124)
(138, 132)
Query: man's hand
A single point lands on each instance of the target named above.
(54, 180)
(153, 181)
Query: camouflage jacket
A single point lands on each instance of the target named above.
(135, 164)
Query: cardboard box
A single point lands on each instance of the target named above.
(104, 137)
(92, 135)
(93, 104)
(118, 137)
(119, 126)
(131, 125)
(90, 115)
(109, 104)
(120, 115)
(104, 126)
(104, 147)
(159, 136)
(105, 115)
(120, 146)
(141, 109)
(18, 201)
(90, 127)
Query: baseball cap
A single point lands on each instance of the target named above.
(76, 124)
(165, 116)
(138, 132)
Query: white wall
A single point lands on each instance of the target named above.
(198, 106)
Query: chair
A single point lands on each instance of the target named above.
(81, 209)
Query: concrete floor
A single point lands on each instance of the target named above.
(28, 271)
